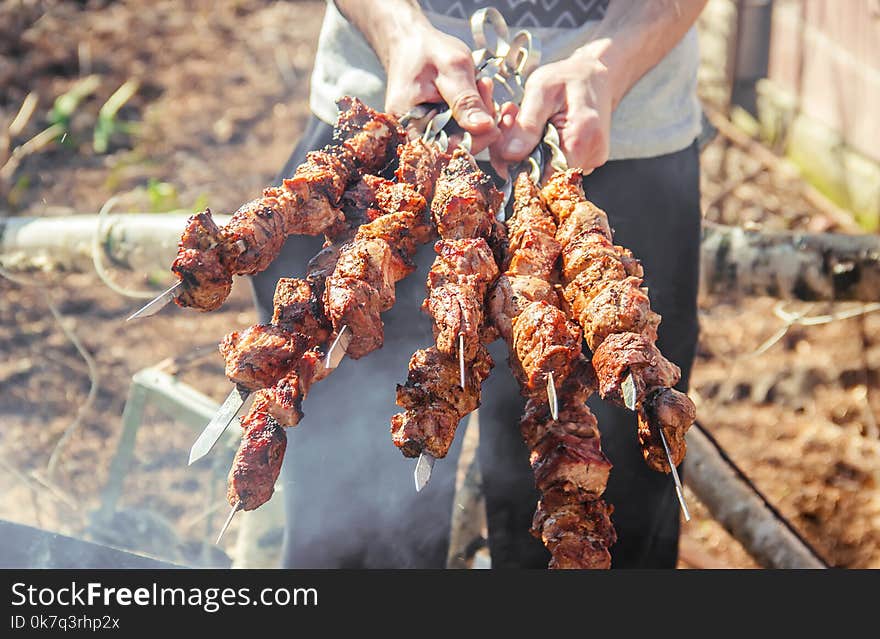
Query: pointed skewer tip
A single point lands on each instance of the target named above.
(157, 303)
(551, 397)
(422, 472)
(218, 424)
(628, 389)
(228, 521)
(338, 348)
(679, 489)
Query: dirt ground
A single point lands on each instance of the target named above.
(222, 100)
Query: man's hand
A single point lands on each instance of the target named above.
(579, 94)
(574, 94)
(430, 66)
(424, 64)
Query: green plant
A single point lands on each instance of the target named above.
(65, 105)
(107, 125)
(200, 204)
(163, 196)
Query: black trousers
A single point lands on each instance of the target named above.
(349, 493)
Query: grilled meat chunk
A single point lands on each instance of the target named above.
(457, 285)
(261, 355)
(199, 264)
(622, 353)
(465, 200)
(511, 295)
(577, 532)
(435, 402)
(674, 412)
(257, 462)
(544, 341)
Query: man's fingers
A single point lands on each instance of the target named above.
(506, 116)
(400, 98)
(584, 140)
(458, 87)
(486, 88)
(538, 106)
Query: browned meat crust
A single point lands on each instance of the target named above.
(257, 462)
(435, 402)
(309, 202)
(602, 287)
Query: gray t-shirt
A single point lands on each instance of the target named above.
(564, 14)
(659, 115)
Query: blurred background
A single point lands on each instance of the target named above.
(174, 106)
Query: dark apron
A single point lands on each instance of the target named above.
(349, 493)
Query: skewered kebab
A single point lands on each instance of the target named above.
(258, 356)
(392, 236)
(348, 286)
(602, 284)
(306, 203)
(545, 352)
(523, 304)
(434, 397)
(571, 472)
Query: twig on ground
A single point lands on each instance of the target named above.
(799, 318)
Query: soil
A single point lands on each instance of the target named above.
(222, 100)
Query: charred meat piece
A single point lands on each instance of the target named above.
(283, 401)
(435, 402)
(298, 308)
(577, 532)
(511, 295)
(544, 341)
(621, 307)
(374, 262)
(199, 265)
(532, 248)
(457, 284)
(419, 164)
(674, 412)
(354, 303)
(623, 353)
(371, 137)
(257, 462)
(584, 218)
(261, 355)
(465, 200)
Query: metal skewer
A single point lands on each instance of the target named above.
(679, 491)
(629, 391)
(218, 424)
(551, 397)
(158, 303)
(228, 521)
(337, 349)
(461, 359)
(422, 473)
(237, 397)
(630, 399)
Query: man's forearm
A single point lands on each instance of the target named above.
(635, 35)
(383, 23)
